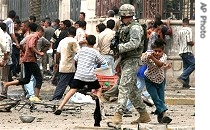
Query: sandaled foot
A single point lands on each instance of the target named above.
(3, 90)
(159, 118)
(58, 112)
(166, 120)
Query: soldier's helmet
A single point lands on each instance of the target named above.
(127, 10)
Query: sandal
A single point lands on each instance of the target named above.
(166, 120)
(3, 90)
(58, 112)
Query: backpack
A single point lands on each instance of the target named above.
(144, 36)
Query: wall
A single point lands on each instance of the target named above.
(87, 6)
(102, 6)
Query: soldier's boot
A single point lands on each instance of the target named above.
(117, 118)
(144, 118)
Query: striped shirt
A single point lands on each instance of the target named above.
(86, 59)
(184, 36)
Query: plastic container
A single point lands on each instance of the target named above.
(104, 71)
(107, 82)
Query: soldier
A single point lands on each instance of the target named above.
(130, 47)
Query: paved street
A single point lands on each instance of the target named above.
(180, 104)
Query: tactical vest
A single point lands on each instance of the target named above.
(124, 37)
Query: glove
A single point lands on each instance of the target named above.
(114, 45)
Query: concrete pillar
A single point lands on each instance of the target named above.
(89, 7)
(64, 9)
(3, 9)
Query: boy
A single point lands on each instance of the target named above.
(30, 62)
(42, 44)
(86, 59)
(155, 78)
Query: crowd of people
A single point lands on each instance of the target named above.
(30, 51)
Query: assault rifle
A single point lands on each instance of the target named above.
(114, 43)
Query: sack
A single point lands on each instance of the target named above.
(140, 72)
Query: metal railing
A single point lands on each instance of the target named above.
(49, 8)
(20, 7)
(179, 9)
(174, 9)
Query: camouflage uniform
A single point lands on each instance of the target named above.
(130, 48)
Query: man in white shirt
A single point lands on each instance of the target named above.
(7, 42)
(186, 44)
(80, 34)
(66, 51)
(10, 27)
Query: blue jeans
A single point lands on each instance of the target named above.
(110, 62)
(65, 79)
(30, 87)
(188, 66)
(140, 85)
(157, 93)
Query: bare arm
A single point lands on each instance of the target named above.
(58, 55)
(45, 44)
(4, 59)
(22, 42)
(156, 61)
(37, 52)
(169, 31)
